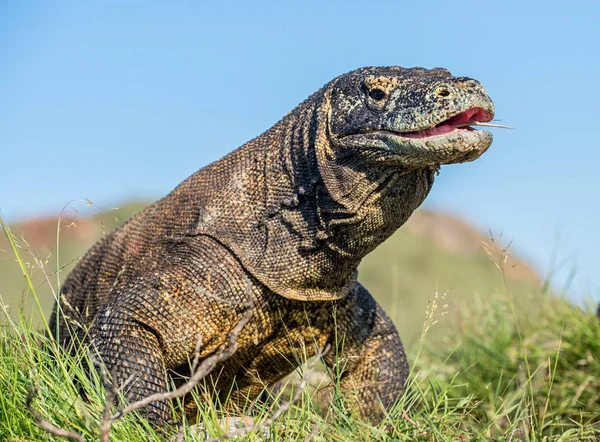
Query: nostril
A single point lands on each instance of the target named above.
(443, 92)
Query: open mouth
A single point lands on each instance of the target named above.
(458, 123)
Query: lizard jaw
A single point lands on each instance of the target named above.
(458, 123)
(450, 141)
(458, 146)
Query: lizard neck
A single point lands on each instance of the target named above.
(306, 213)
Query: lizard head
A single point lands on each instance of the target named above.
(412, 117)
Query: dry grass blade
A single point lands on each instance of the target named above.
(196, 359)
(313, 432)
(112, 392)
(180, 436)
(11, 241)
(47, 426)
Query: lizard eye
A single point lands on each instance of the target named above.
(443, 92)
(377, 94)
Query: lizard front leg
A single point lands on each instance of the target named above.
(370, 359)
(131, 352)
(155, 323)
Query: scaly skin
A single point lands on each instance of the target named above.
(287, 218)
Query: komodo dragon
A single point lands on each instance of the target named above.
(285, 220)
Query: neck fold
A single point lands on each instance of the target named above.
(299, 213)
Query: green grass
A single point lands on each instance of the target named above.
(499, 362)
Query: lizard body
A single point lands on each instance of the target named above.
(283, 222)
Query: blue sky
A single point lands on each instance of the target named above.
(115, 100)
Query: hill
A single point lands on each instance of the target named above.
(433, 252)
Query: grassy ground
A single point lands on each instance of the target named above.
(511, 364)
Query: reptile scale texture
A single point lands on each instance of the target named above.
(282, 223)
